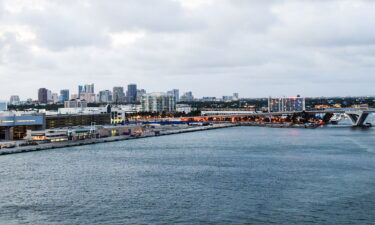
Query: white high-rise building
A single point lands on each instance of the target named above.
(158, 102)
(55, 97)
(14, 100)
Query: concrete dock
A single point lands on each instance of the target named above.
(66, 144)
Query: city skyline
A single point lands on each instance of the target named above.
(277, 48)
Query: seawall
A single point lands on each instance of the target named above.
(42, 147)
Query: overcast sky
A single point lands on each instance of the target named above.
(211, 47)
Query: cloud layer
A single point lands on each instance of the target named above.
(212, 47)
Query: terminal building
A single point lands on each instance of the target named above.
(14, 126)
(286, 104)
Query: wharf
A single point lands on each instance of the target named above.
(66, 144)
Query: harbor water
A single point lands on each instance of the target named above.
(239, 175)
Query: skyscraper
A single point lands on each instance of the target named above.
(187, 97)
(105, 96)
(87, 88)
(64, 95)
(43, 95)
(175, 93)
(131, 93)
(118, 95)
(80, 90)
(14, 100)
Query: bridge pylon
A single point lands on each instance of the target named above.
(358, 118)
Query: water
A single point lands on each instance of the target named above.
(228, 176)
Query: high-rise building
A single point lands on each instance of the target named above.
(105, 96)
(14, 100)
(55, 98)
(49, 96)
(88, 97)
(175, 93)
(87, 88)
(3, 106)
(187, 97)
(64, 95)
(131, 93)
(118, 95)
(140, 93)
(286, 104)
(43, 95)
(158, 102)
(80, 90)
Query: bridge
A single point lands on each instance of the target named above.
(357, 116)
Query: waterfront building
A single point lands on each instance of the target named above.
(183, 108)
(286, 104)
(64, 95)
(227, 98)
(131, 93)
(13, 126)
(118, 95)
(105, 96)
(158, 102)
(76, 103)
(187, 97)
(71, 120)
(43, 95)
(14, 100)
(209, 99)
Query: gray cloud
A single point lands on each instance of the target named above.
(213, 47)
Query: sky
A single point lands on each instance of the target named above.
(258, 48)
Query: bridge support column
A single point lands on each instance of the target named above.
(358, 118)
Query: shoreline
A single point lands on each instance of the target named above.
(67, 144)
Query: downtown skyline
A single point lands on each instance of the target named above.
(213, 48)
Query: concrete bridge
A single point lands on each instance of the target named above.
(357, 116)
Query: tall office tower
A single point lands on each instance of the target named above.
(80, 90)
(118, 95)
(49, 96)
(14, 100)
(89, 88)
(105, 96)
(131, 93)
(43, 95)
(175, 93)
(64, 95)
